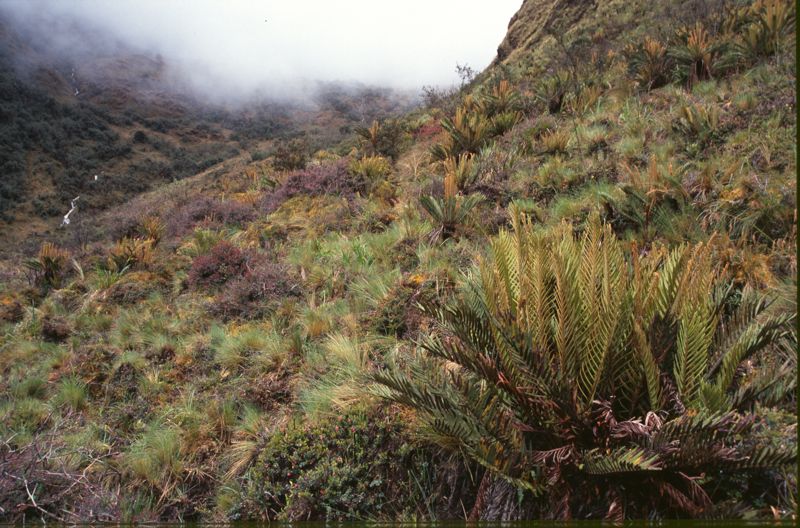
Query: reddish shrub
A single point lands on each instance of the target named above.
(316, 180)
(428, 130)
(224, 262)
(256, 293)
(55, 328)
(210, 211)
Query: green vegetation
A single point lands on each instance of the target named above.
(565, 290)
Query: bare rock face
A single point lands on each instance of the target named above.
(536, 20)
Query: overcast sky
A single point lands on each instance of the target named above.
(249, 44)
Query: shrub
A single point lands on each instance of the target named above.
(594, 380)
(254, 295)
(331, 178)
(210, 211)
(11, 309)
(290, 155)
(55, 328)
(224, 262)
(354, 466)
(382, 139)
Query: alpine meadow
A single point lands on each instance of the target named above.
(563, 287)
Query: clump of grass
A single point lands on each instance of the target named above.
(231, 350)
(557, 174)
(23, 417)
(578, 206)
(72, 394)
(345, 360)
(201, 242)
(30, 387)
(155, 457)
(247, 437)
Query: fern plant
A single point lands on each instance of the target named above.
(467, 132)
(463, 170)
(649, 64)
(696, 55)
(699, 123)
(49, 267)
(452, 210)
(765, 28)
(605, 385)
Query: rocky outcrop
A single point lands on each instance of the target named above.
(536, 20)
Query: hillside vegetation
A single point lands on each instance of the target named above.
(565, 290)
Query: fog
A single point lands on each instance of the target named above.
(239, 47)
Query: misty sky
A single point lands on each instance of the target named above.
(246, 44)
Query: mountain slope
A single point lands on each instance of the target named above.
(610, 218)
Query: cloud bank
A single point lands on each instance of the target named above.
(242, 47)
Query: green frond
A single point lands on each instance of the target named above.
(621, 460)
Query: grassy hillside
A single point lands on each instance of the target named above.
(567, 291)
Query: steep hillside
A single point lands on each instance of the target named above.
(566, 291)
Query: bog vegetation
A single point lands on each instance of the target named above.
(565, 290)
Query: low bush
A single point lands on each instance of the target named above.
(290, 155)
(356, 466)
(224, 262)
(255, 293)
(208, 212)
(331, 178)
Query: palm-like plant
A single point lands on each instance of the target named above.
(503, 98)
(468, 131)
(649, 64)
(463, 170)
(764, 28)
(49, 267)
(697, 54)
(370, 135)
(451, 211)
(605, 385)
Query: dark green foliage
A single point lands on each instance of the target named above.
(355, 466)
(382, 138)
(291, 155)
